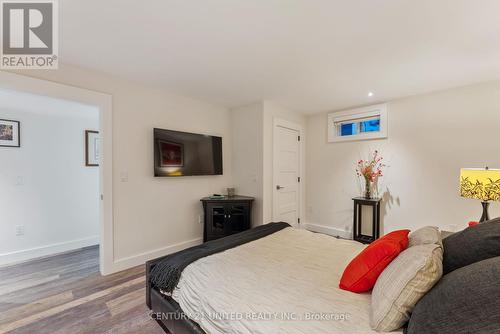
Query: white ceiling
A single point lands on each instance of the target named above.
(307, 55)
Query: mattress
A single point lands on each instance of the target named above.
(286, 282)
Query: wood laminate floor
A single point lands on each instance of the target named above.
(65, 294)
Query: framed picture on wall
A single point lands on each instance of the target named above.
(10, 133)
(171, 154)
(92, 146)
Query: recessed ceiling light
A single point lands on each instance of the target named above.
(370, 94)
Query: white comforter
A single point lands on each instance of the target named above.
(284, 283)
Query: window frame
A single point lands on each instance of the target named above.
(352, 115)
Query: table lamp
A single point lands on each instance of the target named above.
(482, 184)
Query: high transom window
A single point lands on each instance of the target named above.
(358, 124)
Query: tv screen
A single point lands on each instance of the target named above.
(182, 153)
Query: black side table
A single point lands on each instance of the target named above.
(226, 216)
(359, 202)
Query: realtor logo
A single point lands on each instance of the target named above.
(29, 34)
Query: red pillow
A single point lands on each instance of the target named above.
(362, 273)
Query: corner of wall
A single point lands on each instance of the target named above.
(247, 154)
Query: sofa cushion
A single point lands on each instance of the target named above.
(466, 300)
(471, 245)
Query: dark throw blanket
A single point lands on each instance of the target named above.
(167, 272)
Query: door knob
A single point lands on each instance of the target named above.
(278, 187)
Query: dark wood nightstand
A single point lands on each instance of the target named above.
(226, 216)
(374, 203)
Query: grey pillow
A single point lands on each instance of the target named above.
(424, 236)
(471, 245)
(466, 300)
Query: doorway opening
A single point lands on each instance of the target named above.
(88, 103)
(50, 194)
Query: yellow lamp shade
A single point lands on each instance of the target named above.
(482, 184)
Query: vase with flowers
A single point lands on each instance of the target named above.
(370, 170)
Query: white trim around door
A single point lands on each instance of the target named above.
(294, 129)
(21, 83)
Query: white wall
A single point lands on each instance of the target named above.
(248, 141)
(253, 153)
(430, 138)
(44, 184)
(151, 216)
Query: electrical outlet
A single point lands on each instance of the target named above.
(19, 181)
(124, 176)
(19, 230)
(200, 219)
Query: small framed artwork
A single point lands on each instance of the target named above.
(92, 148)
(171, 154)
(10, 133)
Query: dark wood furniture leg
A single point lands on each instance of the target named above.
(374, 203)
(355, 225)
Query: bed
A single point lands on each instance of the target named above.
(285, 282)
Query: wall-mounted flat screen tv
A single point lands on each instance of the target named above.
(183, 153)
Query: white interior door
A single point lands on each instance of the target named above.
(286, 197)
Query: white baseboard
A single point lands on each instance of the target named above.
(43, 251)
(136, 260)
(336, 232)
